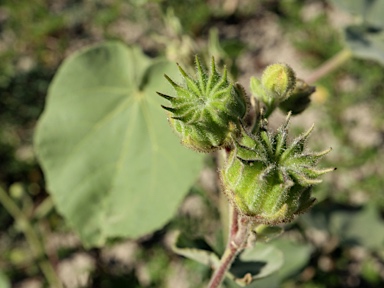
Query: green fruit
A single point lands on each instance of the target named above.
(207, 111)
(269, 179)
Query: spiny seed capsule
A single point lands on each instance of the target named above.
(270, 180)
(207, 110)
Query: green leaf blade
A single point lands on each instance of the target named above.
(112, 164)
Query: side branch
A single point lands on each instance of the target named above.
(238, 235)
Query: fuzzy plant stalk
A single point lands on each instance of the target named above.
(266, 178)
(239, 232)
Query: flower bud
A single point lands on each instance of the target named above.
(207, 110)
(299, 99)
(269, 179)
(278, 81)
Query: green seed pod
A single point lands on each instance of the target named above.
(206, 111)
(270, 180)
(299, 99)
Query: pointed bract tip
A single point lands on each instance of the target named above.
(309, 131)
(169, 98)
(170, 109)
(288, 118)
(197, 62)
(309, 181)
(178, 118)
(322, 171)
(225, 73)
(173, 83)
(325, 152)
(182, 72)
(213, 65)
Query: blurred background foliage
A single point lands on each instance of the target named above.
(338, 244)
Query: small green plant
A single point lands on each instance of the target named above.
(266, 178)
(126, 155)
(114, 171)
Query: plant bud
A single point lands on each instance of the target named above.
(278, 81)
(207, 110)
(299, 99)
(269, 179)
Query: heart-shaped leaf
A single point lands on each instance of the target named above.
(369, 11)
(366, 37)
(362, 227)
(366, 42)
(296, 256)
(112, 164)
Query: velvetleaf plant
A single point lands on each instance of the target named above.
(267, 179)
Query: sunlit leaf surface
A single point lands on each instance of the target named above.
(112, 164)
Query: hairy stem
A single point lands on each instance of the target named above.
(238, 235)
(32, 239)
(330, 65)
(234, 224)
